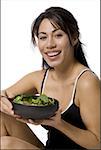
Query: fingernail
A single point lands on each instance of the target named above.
(12, 112)
(31, 121)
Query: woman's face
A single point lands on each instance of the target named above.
(54, 44)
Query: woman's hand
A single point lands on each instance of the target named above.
(6, 105)
(53, 121)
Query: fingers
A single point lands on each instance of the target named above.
(59, 110)
(22, 120)
(5, 101)
(58, 113)
(35, 122)
(7, 110)
(6, 106)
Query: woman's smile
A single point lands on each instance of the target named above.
(54, 44)
(53, 54)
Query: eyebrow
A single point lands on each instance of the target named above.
(46, 33)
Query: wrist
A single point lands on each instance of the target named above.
(4, 94)
(62, 125)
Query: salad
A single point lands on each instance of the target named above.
(41, 100)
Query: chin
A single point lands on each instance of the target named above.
(54, 64)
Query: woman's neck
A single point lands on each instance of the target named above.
(63, 73)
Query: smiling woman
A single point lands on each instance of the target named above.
(66, 77)
(51, 42)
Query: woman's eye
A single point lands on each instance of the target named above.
(58, 35)
(42, 38)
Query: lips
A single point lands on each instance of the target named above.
(53, 53)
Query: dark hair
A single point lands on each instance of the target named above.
(65, 20)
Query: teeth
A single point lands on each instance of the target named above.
(51, 54)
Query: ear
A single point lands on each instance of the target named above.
(74, 41)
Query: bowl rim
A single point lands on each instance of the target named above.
(38, 106)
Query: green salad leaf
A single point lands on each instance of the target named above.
(41, 100)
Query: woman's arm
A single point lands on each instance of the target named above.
(28, 83)
(88, 93)
(24, 85)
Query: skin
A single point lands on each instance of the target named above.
(54, 41)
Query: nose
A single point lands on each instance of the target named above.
(51, 43)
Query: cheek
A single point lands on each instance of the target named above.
(40, 46)
(64, 44)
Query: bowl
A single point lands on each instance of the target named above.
(36, 112)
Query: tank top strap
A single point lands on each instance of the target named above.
(74, 89)
(75, 83)
(44, 80)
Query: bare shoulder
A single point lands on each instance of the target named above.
(28, 83)
(38, 73)
(88, 87)
(88, 80)
(36, 76)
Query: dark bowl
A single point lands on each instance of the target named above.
(35, 112)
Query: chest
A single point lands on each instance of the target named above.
(63, 92)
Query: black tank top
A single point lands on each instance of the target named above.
(56, 139)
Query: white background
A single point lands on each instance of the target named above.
(19, 57)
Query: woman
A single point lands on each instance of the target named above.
(65, 76)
